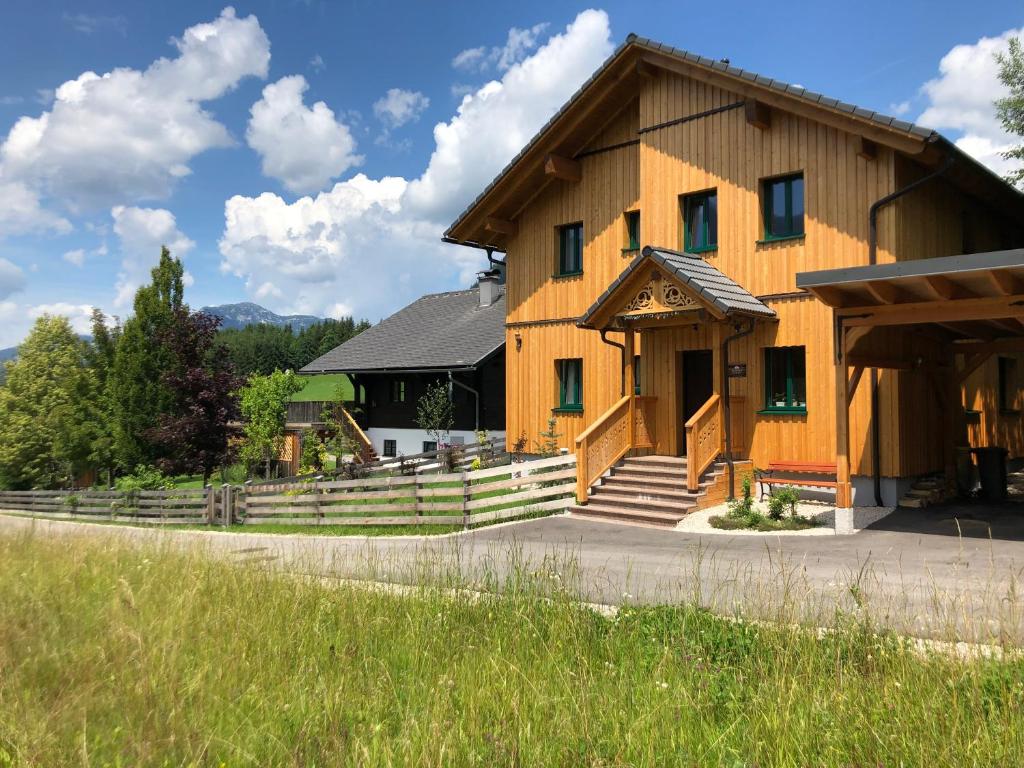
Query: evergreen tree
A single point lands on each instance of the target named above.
(100, 356)
(1010, 109)
(138, 392)
(46, 429)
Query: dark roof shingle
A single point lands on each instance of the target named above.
(437, 331)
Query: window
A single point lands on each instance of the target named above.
(700, 222)
(570, 249)
(1008, 385)
(570, 385)
(785, 380)
(632, 231)
(398, 391)
(636, 375)
(390, 447)
(429, 446)
(784, 207)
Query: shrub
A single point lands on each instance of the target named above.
(788, 497)
(144, 479)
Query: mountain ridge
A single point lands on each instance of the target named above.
(243, 313)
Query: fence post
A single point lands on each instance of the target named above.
(317, 492)
(225, 505)
(417, 498)
(211, 504)
(246, 489)
(466, 498)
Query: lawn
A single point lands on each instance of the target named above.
(323, 387)
(111, 656)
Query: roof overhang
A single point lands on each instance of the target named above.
(664, 287)
(490, 221)
(972, 296)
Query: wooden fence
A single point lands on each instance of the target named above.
(458, 498)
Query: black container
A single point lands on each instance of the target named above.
(992, 472)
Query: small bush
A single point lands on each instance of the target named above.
(144, 479)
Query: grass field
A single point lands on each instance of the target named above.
(111, 656)
(323, 387)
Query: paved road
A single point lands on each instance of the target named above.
(914, 576)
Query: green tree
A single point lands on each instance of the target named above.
(264, 405)
(435, 413)
(100, 355)
(137, 385)
(1010, 109)
(46, 430)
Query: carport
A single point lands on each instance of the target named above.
(942, 318)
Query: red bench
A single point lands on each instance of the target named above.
(767, 478)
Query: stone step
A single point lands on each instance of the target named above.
(913, 502)
(636, 501)
(623, 486)
(674, 462)
(638, 482)
(653, 473)
(650, 517)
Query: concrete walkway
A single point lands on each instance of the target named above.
(916, 581)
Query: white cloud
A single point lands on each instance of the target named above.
(303, 147)
(317, 63)
(79, 315)
(129, 134)
(961, 97)
(899, 109)
(517, 46)
(398, 107)
(12, 278)
(88, 23)
(76, 257)
(21, 211)
(142, 232)
(369, 246)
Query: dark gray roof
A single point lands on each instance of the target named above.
(940, 265)
(926, 134)
(706, 281)
(437, 331)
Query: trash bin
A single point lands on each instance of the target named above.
(992, 472)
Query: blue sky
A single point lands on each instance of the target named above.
(307, 155)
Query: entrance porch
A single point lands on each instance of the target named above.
(678, 316)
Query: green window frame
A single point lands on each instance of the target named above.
(632, 231)
(700, 222)
(785, 380)
(570, 384)
(570, 249)
(784, 207)
(398, 391)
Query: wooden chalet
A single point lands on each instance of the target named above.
(709, 269)
(457, 338)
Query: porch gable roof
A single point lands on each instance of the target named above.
(722, 295)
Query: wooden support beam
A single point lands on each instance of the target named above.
(564, 168)
(645, 69)
(868, 149)
(883, 292)
(851, 389)
(834, 297)
(758, 114)
(1005, 283)
(500, 226)
(913, 313)
(941, 287)
(998, 345)
(971, 364)
(877, 361)
(953, 328)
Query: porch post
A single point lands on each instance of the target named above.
(844, 493)
(630, 382)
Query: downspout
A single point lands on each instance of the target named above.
(476, 396)
(494, 262)
(876, 432)
(622, 357)
(727, 408)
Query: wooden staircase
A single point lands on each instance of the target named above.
(650, 490)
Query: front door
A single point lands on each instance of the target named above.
(696, 369)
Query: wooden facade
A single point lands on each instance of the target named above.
(646, 133)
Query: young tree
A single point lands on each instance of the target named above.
(100, 356)
(264, 405)
(138, 392)
(46, 431)
(435, 413)
(192, 437)
(1010, 109)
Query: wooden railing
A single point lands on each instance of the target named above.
(602, 444)
(703, 440)
(364, 454)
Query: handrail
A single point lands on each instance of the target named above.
(360, 437)
(611, 449)
(703, 440)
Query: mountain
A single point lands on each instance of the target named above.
(8, 354)
(246, 313)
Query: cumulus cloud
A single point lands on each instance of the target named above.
(12, 278)
(368, 246)
(79, 315)
(128, 134)
(398, 107)
(303, 147)
(961, 99)
(21, 211)
(142, 232)
(517, 46)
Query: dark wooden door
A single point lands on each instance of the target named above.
(698, 380)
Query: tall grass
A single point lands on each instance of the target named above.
(147, 657)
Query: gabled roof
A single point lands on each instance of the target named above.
(440, 331)
(703, 280)
(618, 76)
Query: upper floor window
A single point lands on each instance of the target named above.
(785, 380)
(398, 391)
(700, 222)
(783, 199)
(570, 384)
(632, 231)
(570, 249)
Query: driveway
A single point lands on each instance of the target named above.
(912, 579)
